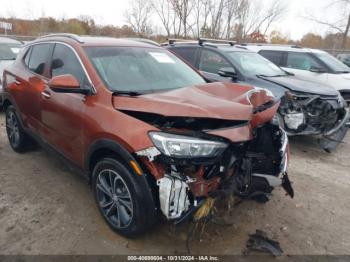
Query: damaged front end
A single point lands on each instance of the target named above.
(309, 114)
(192, 166)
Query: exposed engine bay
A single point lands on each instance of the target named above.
(241, 169)
(304, 114)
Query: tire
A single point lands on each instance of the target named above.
(127, 206)
(18, 139)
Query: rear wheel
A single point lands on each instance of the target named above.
(123, 200)
(17, 137)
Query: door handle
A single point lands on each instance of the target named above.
(46, 94)
(17, 82)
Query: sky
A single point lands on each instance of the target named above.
(105, 12)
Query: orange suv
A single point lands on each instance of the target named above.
(147, 130)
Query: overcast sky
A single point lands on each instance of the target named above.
(111, 12)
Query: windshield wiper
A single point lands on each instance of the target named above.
(8, 59)
(126, 93)
(342, 72)
(270, 76)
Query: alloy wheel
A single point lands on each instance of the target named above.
(12, 129)
(114, 198)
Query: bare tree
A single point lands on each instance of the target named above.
(163, 9)
(138, 16)
(183, 10)
(253, 16)
(342, 25)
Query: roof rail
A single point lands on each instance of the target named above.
(266, 44)
(201, 41)
(142, 40)
(71, 36)
(172, 41)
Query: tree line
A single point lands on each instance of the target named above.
(239, 20)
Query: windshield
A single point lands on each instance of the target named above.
(254, 64)
(333, 63)
(9, 51)
(141, 70)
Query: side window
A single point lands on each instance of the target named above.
(274, 56)
(187, 53)
(64, 61)
(212, 62)
(27, 56)
(38, 58)
(301, 61)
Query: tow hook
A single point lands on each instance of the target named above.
(286, 184)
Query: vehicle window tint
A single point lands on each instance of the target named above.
(64, 61)
(38, 58)
(27, 56)
(301, 61)
(189, 54)
(211, 62)
(274, 56)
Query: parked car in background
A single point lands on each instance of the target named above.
(9, 49)
(307, 107)
(345, 58)
(145, 128)
(310, 64)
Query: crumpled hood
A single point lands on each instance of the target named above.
(215, 100)
(298, 84)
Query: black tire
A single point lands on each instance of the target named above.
(17, 137)
(128, 209)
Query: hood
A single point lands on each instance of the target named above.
(302, 85)
(216, 100)
(345, 76)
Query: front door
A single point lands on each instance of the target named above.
(62, 114)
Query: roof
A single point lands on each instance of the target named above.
(97, 40)
(291, 48)
(222, 47)
(7, 40)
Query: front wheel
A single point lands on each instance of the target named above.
(123, 199)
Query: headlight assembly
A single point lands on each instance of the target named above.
(186, 147)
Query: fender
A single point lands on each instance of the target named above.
(125, 156)
(115, 147)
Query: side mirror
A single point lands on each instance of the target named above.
(227, 72)
(315, 69)
(67, 84)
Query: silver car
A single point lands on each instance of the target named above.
(9, 49)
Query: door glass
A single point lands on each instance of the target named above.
(64, 61)
(212, 62)
(274, 56)
(38, 58)
(187, 53)
(301, 61)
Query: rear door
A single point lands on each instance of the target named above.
(210, 62)
(62, 114)
(31, 82)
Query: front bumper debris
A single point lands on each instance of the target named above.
(243, 169)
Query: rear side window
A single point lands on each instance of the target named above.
(188, 54)
(301, 61)
(212, 62)
(274, 56)
(38, 57)
(64, 61)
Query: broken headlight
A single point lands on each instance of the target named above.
(186, 147)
